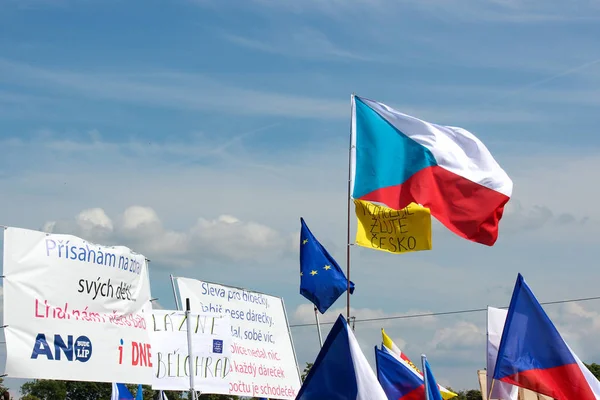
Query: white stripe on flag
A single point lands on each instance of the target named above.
(589, 377)
(115, 392)
(495, 326)
(366, 380)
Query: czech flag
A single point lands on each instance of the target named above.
(398, 159)
(533, 355)
(398, 380)
(341, 370)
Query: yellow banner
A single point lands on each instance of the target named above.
(395, 231)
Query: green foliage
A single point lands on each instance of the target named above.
(466, 394)
(306, 370)
(170, 395)
(2, 387)
(44, 389)
(473, 395)
(88, 390)
(594, 369)
(29, 397)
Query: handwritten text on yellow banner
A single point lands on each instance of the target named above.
(395, 231)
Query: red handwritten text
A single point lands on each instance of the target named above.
(49, 311)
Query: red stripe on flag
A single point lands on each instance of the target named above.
(468, 209)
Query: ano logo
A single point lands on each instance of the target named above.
(79, 349)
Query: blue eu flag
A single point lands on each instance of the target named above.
(321, 278)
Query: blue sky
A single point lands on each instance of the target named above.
(144, 123)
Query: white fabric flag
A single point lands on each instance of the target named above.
(366, 380)
(495, 326)
(332, 376)
(115, 392)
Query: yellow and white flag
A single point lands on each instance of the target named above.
(396, 231)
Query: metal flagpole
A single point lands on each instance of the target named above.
(175, 292)
(318, 327)
(350, 160)
(189, 340)
(287, 324)
(423, 361)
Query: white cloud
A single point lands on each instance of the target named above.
(94, 221)
(462, 335)
(536, 181)
(224, 237)
(579, 325)
(518, 218)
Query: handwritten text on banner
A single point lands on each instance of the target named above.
(395, 231)
(211, 337)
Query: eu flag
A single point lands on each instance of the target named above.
(321, 278)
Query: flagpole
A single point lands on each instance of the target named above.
(491, 388)
(423, 361)
(318, 327)
(350, 160)
(189, 340)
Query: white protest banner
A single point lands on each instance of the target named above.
(75, 310)
(211, 337)
(263, 362)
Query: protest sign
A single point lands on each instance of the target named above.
(395, 231)
(211, 337)
(263, 362)
(75, 310)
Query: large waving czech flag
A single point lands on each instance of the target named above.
(399, 159)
